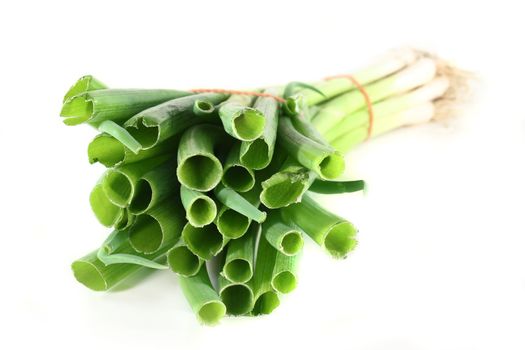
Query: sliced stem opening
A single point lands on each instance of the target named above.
(205, 242)
(266, 303)
(238, 270)
(182, 261)
(200, 172)
(231, 223)
(238, 299)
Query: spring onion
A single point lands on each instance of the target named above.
(154, 187)
(414, 115)
(106, 212)
(238, 265)
(117, 250)
(287, 240)
(203, 108)
(203, 299)
(284, 279)
(118, 105)
(182, 261)
(215, 184)
(126, 220)
(386, 65)
(205, 242)
(201, 210)
(160, 122)
(331, 232)
(159, 227)
(235, 201)
(230, 223)
(333, 187)
(119, 183)
(415, 75)
(198, 167)
(237, 176)
(286, 186)
(257, 154)
(240, 120)
(266, 299)
(84, 84)
(390, 106)
(96, 275)
(313, 155)
(110, 152)
(237, 297)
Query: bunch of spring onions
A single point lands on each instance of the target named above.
(198, 176)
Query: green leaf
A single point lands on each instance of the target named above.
(334, 187)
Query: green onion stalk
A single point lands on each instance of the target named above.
(335, 234)
(120, 183)
(158, 227)
(160, 122)
(238, 265)
(202, 297)
(118, 105)
(265, 296)
(200, 209)
(238, 210)
(258, 154)
(240, 120)
(199, 167)
(183, 261)
(193, 179)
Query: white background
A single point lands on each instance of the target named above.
(441, 262)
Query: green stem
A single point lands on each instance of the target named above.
(125, 221)
(84, 84)
(107, 213)
(310, 153)
(230, 223)
(335, 110)
(389, 107)
(201, 210)
(110, 152)
(119, 183)
(330, 231)
(240, 120)
(416, 114)
(237, 297)
(236, 176)
(198, 167)
(203, 299)
(154, 187)
(287, 240)
(238, 266)
(96, 275)
(156, 124)
(182, 261)
(159, 227)
(286, 186)
(205, 242)
(334, 187)
(266, 299)
(235, 201)
(121, 134)
(109, 253)
(258, 153)
(391, 63)
(203, 108)
(284, 276)
(118, 105)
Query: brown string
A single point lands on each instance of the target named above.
(363, 92)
